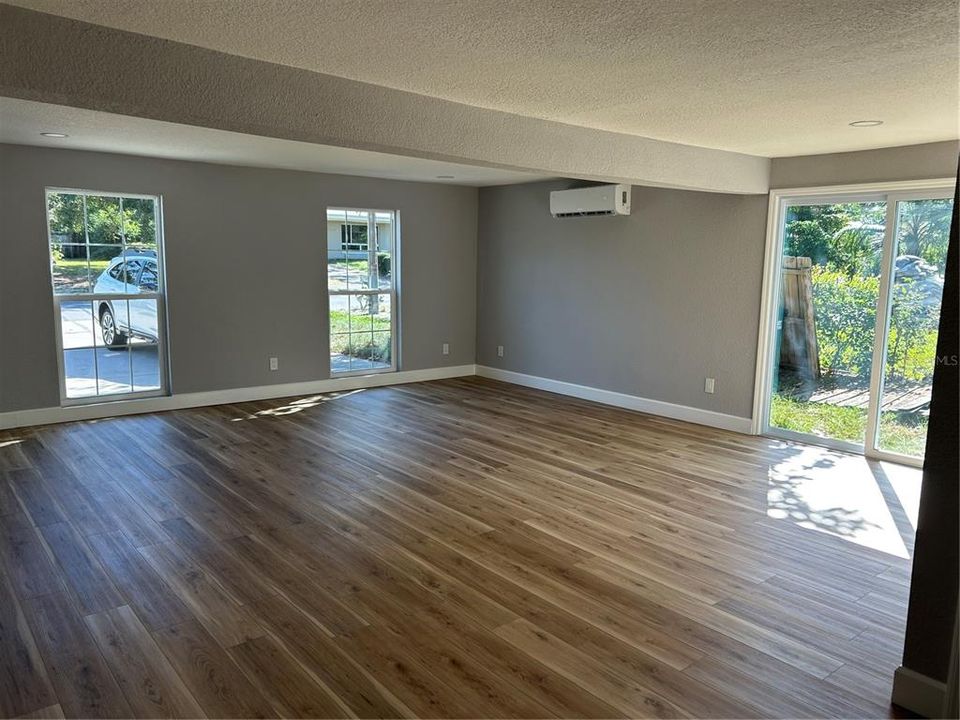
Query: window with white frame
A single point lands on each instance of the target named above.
(106, 266)
(361, 277)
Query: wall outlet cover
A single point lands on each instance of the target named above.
(708, 385)
(274, 363)
(446, 348)
(499, 350)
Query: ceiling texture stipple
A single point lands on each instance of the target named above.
(763, 77)
(107, 132)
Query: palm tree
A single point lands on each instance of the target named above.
(923, 229)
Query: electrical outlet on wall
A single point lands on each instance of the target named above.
(274, 363)
(499, 350)
(446, 348)
(708, 385)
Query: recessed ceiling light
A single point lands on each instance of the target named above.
(55, 135)
(866, 123)
(446, 177)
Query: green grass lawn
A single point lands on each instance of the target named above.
(903, 433)
(79, 265)
(72, 273)
(899, 432)
(360, 343)
(339, 322)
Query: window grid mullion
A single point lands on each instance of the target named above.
(93, 317)
(86, 243)
(130, 345)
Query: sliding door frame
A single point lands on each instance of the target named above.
(780, 199)
(884, 311)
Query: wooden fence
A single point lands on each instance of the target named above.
(798, 340)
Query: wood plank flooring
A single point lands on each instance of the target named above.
(461, 548)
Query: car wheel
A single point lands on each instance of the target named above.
(112, 337)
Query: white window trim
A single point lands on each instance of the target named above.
(780, 199)
(159, 296)
(394, 291)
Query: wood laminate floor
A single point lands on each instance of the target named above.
(461, 548)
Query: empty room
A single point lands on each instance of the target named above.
(479, 358)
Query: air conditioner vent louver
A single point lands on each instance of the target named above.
(598, 200)
(584, 213)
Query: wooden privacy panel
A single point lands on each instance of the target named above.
(798, 340)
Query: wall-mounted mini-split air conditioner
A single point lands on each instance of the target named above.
(591, 201)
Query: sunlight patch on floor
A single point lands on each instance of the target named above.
(905, 482)
(299, 405)
(869, 503)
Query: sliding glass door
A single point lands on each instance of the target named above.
(830, 289)
(907, 354)
(854, 284)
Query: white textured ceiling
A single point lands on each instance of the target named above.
(22, 121)
(765, 77)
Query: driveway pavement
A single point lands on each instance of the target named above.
(346, 363)
(92, 369)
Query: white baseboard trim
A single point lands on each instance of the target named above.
(918, 693)
(630, 402)
(46, 416)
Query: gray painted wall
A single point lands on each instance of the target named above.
(912, 162)
(246, 278)
(648, 304)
